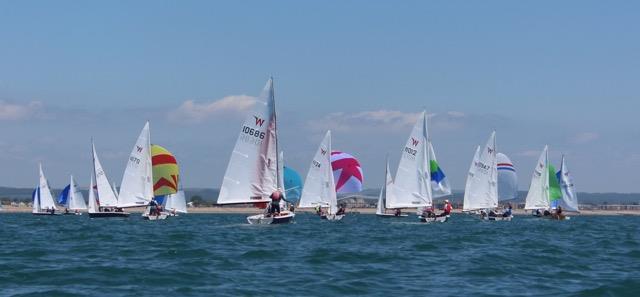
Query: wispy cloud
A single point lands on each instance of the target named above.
(192, 111)
(584, 137)
(389, 120)
(15, 111)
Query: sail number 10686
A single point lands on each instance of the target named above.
(253, 132)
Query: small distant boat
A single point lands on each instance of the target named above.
(319, 187)
(72, 199)
(569, 200)
(175, 204)
(387, 189)
(102, 199)
(254, 172)
(43, 203)
(545, 192)
(481, 188)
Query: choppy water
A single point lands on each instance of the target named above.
(206, 255)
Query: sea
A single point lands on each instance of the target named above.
(221, 255)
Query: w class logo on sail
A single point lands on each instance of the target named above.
(414, 142)
(259, 121)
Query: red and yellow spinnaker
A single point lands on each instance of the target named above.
(165, 171)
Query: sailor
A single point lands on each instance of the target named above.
(398, 212)
(341, 211)
(428, 212)
(153, 207)
(446, 209)
(276, 196)
(507, 210)
(558, 215)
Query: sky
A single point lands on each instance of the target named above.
(562, 73)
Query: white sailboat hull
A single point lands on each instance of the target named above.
(391, 215)
(161, 216)
(508, 219)
(264, 219)
(434, 220)
(332, 217)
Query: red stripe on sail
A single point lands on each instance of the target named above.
(163, 182)
(349, 168)
(163, 159)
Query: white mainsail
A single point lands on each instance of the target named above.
(93, 204)
(252, 173)
(76, 199)
(104, 192)
(176, 202)
(319, 186)
(386, 191)
(507, 178)
(412, 185)
(136, 188)
(569, 201)
(44, 193)
(481, 189)
(538, 195)
(438, 188)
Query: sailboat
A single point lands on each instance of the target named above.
(43, 203)
(545, 188)
(104, 203)
(569, 201)
(387, 190)
(481, 189)
(72, 199)
(319, 186)
(412, 185)
(253, 171)
(136, 188)
(175, 203)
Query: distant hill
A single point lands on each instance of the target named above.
(210, 195)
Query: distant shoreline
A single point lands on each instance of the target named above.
(248, 210)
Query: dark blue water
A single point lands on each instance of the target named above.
(207, 255)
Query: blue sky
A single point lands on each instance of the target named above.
(563, 73)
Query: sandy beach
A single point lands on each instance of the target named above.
(247, 210)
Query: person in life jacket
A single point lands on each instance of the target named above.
(446, 209)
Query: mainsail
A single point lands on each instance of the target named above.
(538, 195)
(136, 188)
(252, 173)
(104, 193)
(319, 186)
(44, 193)
(76, 199)
(481, 189)
(386, 191)
(176, 202)
(569, 201)
(412, 185)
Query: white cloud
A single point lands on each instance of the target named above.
(390, 120)
(584, 137)
(195, 112)
(16, 111)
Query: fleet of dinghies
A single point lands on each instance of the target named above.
(256, 175)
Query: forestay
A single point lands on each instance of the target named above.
(252, 172)
(104, 193)
(538, 195)
(319, 186)
(481, 189)
(412, 185)
(136, 188)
